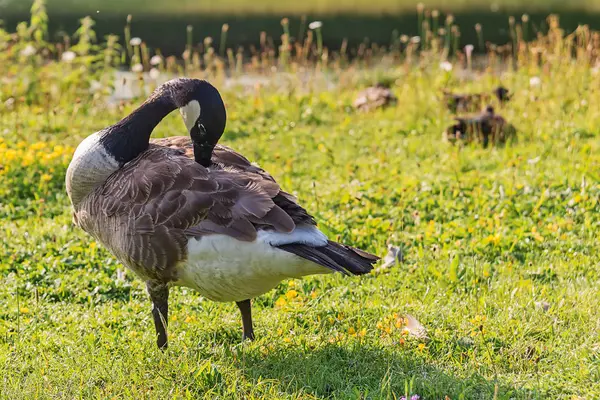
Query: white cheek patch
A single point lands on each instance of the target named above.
(190, 113)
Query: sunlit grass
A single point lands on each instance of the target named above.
(501, 244)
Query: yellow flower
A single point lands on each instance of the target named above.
(189, 319)
(537, 236)
(362, 332)
(46, 177)
(24, 310)
(38, 146)
(291, 294)
(174, 318)
(421, 346)
(292, 284)
(495, 239)
(10, 155)
(281, 302)
(287, 339)
(313, 295)
(351, 331)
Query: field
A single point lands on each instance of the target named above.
(500, 244)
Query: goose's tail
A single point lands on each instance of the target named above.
(336, 256)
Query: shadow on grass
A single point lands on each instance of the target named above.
(359, 371)
(354, 370)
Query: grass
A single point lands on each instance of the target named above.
(490, 236)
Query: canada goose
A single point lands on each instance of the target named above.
(472, 102)
(192, 213)
(485, 127)
(378, 96)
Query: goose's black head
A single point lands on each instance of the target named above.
(203, 112)
(200, 105)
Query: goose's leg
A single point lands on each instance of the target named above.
(159, 294)
(246, 310)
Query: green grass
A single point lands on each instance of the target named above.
(488, 235)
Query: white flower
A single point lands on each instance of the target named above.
(154, 73)
(137, 67)
(135, 41)
(68, 56)
(446, 66)
(315, 25)
(469, 49)
(28, 51)
(415, 39)
(155, 60)
(535, 81)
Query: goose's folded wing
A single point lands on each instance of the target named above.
(147, 210)
(223, 156)
(228, 159)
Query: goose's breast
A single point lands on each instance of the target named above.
(222, 268)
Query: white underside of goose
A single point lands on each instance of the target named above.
(222, 268)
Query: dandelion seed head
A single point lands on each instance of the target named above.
(154, 73)
(155, 60)
(535, 81)
(68, 56)
(446, 66)
(315, 25)
(28, 51)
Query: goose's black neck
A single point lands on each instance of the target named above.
(130, 137)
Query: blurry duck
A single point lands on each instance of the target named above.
(189, 212)
(485, 128)
(373, 97)
(472, 102)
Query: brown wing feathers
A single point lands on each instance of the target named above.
(286, 213)
(157, 201)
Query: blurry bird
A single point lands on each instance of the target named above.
(457, 102)
(483, 128)
(373, 97)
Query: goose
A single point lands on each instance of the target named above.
(378, 96)
(472, 102)
(186, 211)
(485, 127)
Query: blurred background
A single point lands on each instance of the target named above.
(162, 24)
